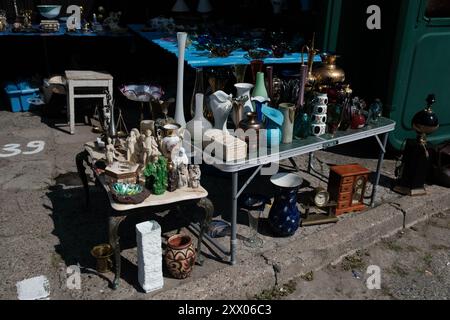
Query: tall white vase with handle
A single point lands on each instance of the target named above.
(179, 108)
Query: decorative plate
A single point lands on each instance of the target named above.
(142, 93)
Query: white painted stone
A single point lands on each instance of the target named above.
(33, 289)
(149, 251)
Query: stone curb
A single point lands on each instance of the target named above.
(314, 252)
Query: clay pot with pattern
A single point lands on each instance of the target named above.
(180, 256)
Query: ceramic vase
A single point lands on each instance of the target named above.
(260, 86)
(180, 256)
(169, 137)
(273, 122)
(243, 90)
(284, 216)
(259, 102)
(179, 108)
(220, 104)
(288, 110)
(251, 127)
(198, 125)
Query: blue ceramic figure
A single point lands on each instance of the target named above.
(284, 216)
(274, 123)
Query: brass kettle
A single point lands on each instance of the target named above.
(328, 71)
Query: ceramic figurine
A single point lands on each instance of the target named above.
(172, 184)
(131, 146)
(220, 104)
(194, 176)
(156, 175)
(150, 147)
(180, 158)
(183, 176)
(110, 152)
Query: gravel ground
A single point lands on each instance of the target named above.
(414, 264)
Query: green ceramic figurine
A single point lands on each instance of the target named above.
(156, 175)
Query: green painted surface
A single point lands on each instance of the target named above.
(421, 66)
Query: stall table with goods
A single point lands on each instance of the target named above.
(265, 122)
(120, 181)
(379, 130)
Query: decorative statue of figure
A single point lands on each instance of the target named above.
(173, 177)
(131, 146)
(194, 176)
(139, 148)
(110, 152)
(147, 147)
(183, 176)
(156, 175)
(180, 158)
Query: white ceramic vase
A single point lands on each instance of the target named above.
(179, 108)
(198, 125)
(221, 104)
(243, 90)
(288, 110)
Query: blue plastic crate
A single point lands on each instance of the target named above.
(19, 94)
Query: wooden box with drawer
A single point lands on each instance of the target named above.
(347, 186)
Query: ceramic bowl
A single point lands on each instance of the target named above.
(127, 189)
(49, 11)
(142, 93)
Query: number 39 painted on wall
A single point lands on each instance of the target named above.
(13, 149)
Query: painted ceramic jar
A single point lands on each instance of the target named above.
(180, 256)
(169, 137)
(284, 216)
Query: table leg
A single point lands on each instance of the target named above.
(208, 208)
(310, 161)
(234, 199)
(114, 223)
(80, 160)
(378, 173)
(71, 106)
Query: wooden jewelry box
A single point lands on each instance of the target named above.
(347, 186)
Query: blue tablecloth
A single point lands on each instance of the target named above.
(62, 32)
(197, 59)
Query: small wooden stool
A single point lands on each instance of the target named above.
(85, 79)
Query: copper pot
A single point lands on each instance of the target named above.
(251, 123)
(328, 71)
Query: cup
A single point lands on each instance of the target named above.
(102, 253)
